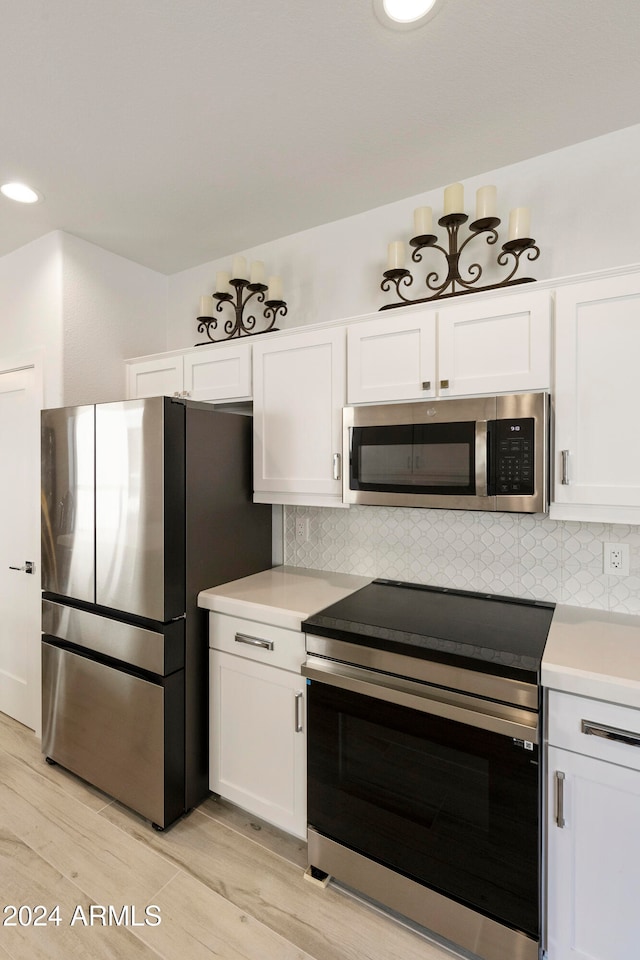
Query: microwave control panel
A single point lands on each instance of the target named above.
(514, 440)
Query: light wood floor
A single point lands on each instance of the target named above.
(227, 887)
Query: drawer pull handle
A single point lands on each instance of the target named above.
(254, 641)
(611, 733)
(299, 705)
(560, 799)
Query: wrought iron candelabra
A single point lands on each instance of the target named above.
(454, 283)
(239, 325)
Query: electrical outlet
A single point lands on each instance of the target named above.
(616, 559)
(302, 529)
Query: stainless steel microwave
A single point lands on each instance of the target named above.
(481, 453)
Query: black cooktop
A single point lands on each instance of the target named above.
(480, 631)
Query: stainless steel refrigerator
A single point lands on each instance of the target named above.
(144, 504)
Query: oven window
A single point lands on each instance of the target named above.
(420, 458)
(449, 805)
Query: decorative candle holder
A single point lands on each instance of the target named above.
(454, 285)
(239, 325)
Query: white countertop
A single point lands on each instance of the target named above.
(282, 596)
(593, 653)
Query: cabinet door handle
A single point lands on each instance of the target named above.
(444, 384)
(611, 733)
(254, 641)
(426, 384)
(565, 468)
(336, 466)
(299, 701)
(560, 799)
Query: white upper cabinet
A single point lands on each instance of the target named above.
(299, 385)
(213, 373)
(500, 345)
(482, 346)
(597, 454)
(155, 377)
(392, 358)
(222, 372)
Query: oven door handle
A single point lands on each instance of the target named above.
(498, 718)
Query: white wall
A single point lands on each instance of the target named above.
(583, 200)
(31, 310)
(112, 309)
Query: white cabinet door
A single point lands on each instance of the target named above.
(500, 345)
(258, 739)
(392, 358)
(299, 385)
(597, 456)
(592, 860)
(156, 377)
(218, 372)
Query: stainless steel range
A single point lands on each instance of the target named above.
(424, 784)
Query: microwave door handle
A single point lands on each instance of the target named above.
(482, 457)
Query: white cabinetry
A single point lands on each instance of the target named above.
(299, 391)
(597, 455)
(155, 377)
(495, 345)
(593, 834)
(392, 358)
(214, 373)
(258, 720)
(499, 345)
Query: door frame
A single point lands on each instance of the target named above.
(33, 360)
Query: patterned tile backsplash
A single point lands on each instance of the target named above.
(518, 555)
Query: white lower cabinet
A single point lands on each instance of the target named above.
(593, 830)
(258, 751)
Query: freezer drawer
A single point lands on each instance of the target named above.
(156, 651)
(122, 733)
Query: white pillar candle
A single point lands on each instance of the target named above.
(257, 272)
(486, 203)
(206, 306)
(222, 282)
(239, 270)
(275, 288)
(520, 223)
(454, 199)
(422, 221)
(395, 258)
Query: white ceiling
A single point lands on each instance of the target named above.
(174, 132)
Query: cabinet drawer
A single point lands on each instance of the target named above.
(257, 641)
(606, 731)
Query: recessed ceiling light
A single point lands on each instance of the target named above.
(405, 14)
(20, 192)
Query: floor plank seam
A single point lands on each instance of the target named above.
(246, 836)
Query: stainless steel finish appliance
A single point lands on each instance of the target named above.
(423, 758)
(144, 504)
(483, 453)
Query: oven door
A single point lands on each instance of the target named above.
(445, 802)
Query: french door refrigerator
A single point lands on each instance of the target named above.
(144, 504)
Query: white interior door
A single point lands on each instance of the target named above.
(20, 401)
